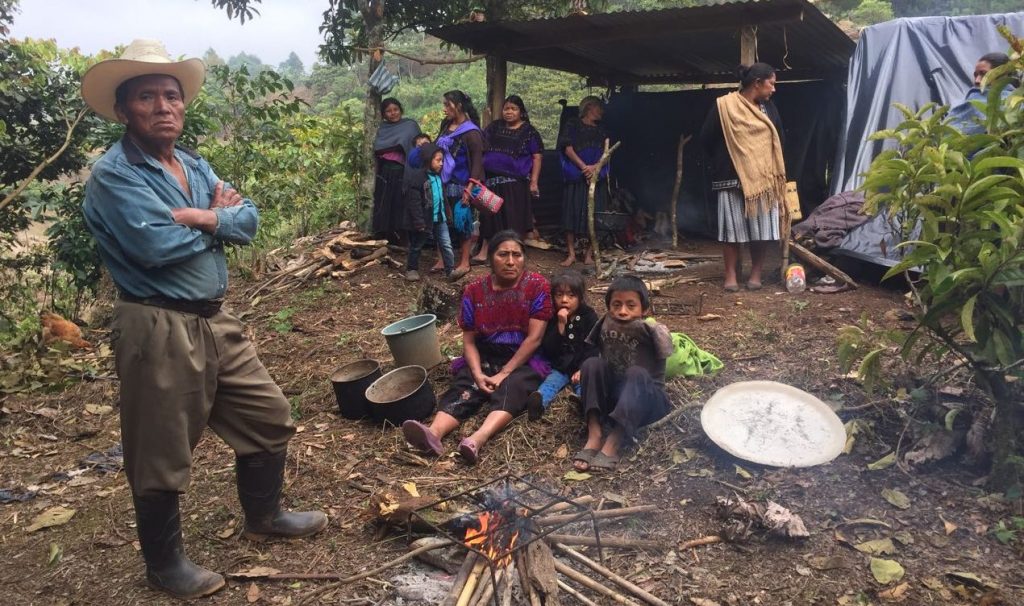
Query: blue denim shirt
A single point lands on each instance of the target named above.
(128, 202)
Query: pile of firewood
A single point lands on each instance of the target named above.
(341, 253)
(534, 576)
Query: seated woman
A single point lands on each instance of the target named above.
(503, 318)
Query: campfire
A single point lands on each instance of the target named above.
(507, 527)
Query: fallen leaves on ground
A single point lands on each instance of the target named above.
(576, 476)
(254, 573)
(886, 571)
(876, 547)
(252, 595)
(54, 516)
(894, 594)
(896, 498)
(885, 462)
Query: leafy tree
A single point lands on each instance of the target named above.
(292, 67)
(966, 195)
(211, 58)
(251, 63)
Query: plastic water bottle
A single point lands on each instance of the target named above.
(796, 280)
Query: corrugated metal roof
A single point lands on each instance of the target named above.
(698, 44)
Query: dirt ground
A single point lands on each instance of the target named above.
(303, 335)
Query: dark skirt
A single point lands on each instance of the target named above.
(463, 399)
(388, 206)
(574, 205)
(516, 212)
(631, 401)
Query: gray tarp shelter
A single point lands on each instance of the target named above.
(913, 62)
(697, 46)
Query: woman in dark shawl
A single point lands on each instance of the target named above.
(391, 148)
(512, 155)
(581, 143)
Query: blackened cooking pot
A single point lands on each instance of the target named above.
(401, 395)
(350, 383)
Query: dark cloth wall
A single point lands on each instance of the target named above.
(649, 126)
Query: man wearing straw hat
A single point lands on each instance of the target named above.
(161, 219)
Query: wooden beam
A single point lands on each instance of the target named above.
(576, 30)
(748, 45)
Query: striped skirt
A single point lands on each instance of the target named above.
(733, 224)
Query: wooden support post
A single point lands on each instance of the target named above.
(748, 45)
(497, 83)
(674, 203)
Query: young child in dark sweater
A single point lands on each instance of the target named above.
(625, 385)
(564, 344)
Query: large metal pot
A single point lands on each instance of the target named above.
(350, 383)
(401, 395)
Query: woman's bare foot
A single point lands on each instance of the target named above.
(461, 268)
(568, 261)
(437, 268)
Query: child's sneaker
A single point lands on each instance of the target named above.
(534, 406)
(412, 276)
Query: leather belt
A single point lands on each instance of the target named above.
(206, 309)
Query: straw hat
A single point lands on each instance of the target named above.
(140, 58)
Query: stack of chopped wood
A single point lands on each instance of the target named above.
(342, 254)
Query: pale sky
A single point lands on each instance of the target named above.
(186, 27)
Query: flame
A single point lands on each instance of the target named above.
(494, 536)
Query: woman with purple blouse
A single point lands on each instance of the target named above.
(512, 157)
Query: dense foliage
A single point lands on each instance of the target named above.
(964, 196)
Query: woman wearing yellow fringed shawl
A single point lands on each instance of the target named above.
(742, 137)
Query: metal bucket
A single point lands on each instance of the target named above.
(350, 383)
(401, 395)
(413, 341)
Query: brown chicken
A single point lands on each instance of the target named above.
(56, 328)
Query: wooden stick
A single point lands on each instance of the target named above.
(683, 139)
(489, 585)
(579, 596)
(589, 583)
(469, 588)
(328, 576)
(591, 192)
(708, 540)
(614, 542)
(460, 579)
(431, 558)
(613, 577)
(820, 264)
(529, 591)
(787, 227)
(508, 581)
(584, 500)
(600, 515)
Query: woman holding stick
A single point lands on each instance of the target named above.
(743, 138)
(582, 142)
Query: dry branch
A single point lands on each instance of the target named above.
(432, 558)
(582, 599)
(460, 579)
(708, 540)
(613, 577)
(591, 192)
(683, 140)
(584, 500)
(612, 542)
(821, 265)
(589, 583)
(600, 515)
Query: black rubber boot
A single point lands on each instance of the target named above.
(167, 567)
(260, 478)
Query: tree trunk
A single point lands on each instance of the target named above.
(1007, 431)
(497, 83)
(373, 15)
